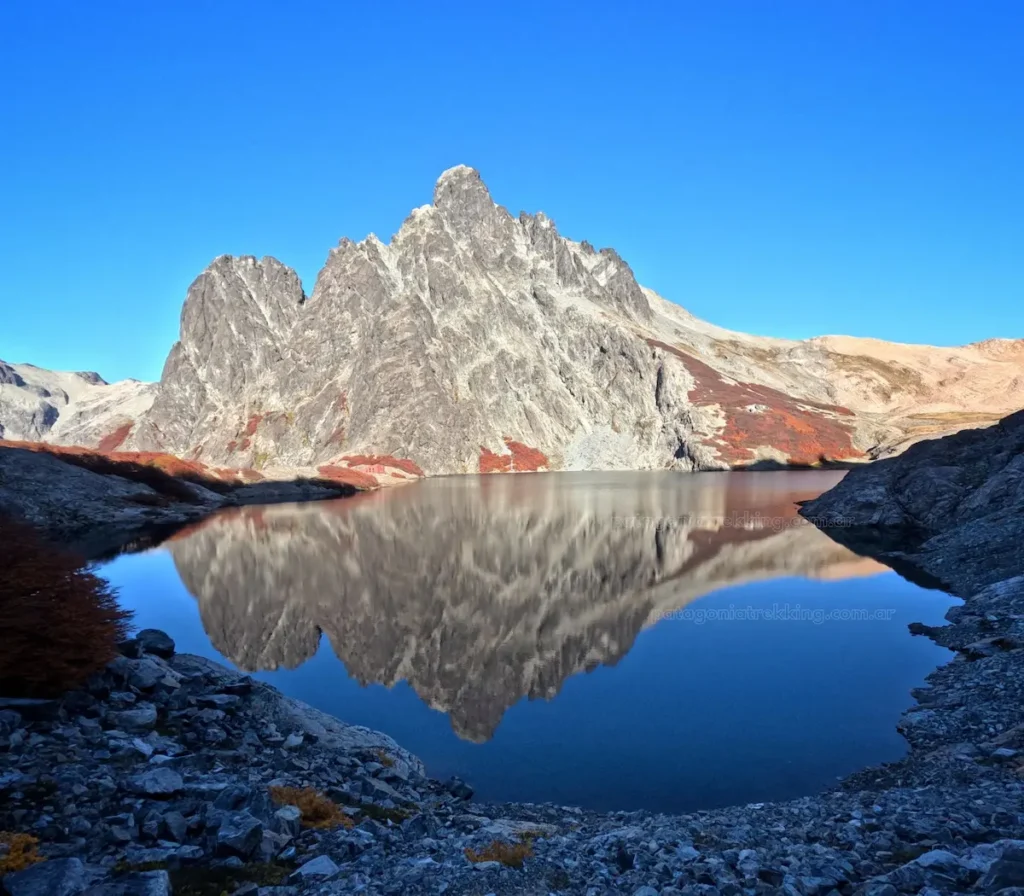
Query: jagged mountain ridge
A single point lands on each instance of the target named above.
(483, 594)
(476, 341)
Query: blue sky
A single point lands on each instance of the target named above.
(788, 168)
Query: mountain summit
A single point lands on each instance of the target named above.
(479, 341)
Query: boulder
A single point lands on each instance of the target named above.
(240, 834)
(156, 782)
(156, 642)
(58, 877)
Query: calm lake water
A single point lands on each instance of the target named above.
(611, 640)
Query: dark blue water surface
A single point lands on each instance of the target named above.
(628, 640)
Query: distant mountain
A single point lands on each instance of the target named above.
(478, 341)
(38, 405)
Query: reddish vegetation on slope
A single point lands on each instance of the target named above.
(803, 437)
(494, 463)
(254, 421)
(163, 473)
(520, 459)
(115, 440)
(524, 458)
(805, 431)
(386, 460)
(348, 476)
(229, 474)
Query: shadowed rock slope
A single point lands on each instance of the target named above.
(952, 507)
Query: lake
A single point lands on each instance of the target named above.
(610, 640)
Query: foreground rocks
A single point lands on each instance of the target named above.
(949, 509)
(170, 773)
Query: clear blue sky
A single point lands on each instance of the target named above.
(794, 167)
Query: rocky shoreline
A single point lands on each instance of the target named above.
(170, 773)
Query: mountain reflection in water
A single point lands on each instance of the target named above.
(477, 592)
(482, 591)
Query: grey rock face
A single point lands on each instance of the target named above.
(474, 336)
(473, 331)
(469, 328)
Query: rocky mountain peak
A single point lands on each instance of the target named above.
(475, 341)
(465, 205)
(459, 182)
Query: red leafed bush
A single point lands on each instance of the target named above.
(355, 478)
(755, 415)
(494, 463)
(524, 458)
(59, 622)
(115, 440)
(384, 460)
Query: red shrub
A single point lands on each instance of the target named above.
(115, 440)
(494, 463)
(254, 421)
(386, 460)
(524, 458)
(59, 622)
(521, 458)
(348, 476)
